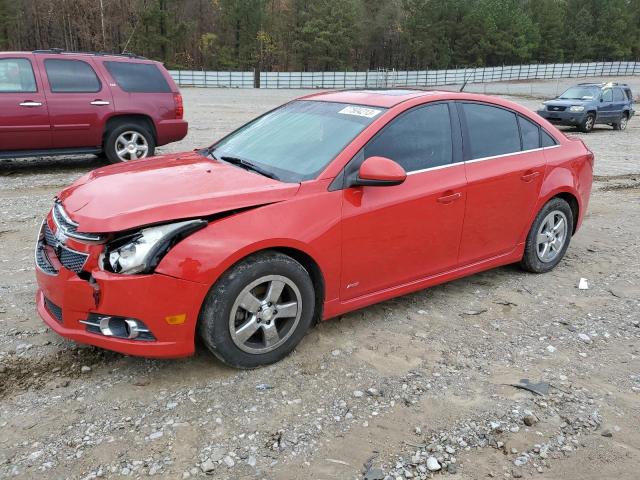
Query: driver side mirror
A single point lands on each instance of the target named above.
(379, 172)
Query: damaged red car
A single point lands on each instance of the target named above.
(324, 205)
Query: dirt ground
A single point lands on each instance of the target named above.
(380, 393)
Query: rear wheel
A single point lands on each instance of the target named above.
(258, 311)
(588, 123)
(622, 123)
(129, 141)
(549, 237)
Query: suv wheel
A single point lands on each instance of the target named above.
(129, 141)
(587, 124)
(549, 237)
(622, 123)
(258, 311)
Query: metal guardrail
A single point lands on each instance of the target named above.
(394, 78)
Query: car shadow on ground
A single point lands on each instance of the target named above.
(36, 165)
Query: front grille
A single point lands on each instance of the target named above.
(49, 237)
(72, 260)
(43, 261)
(556, 108)
(53, 309)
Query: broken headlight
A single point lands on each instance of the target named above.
(141, 251)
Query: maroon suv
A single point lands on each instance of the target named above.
(58, 103)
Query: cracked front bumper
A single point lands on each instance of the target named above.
(64, 300)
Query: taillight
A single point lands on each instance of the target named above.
(177, 100)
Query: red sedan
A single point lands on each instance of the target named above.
(325, 205)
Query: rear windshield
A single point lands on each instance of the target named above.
(138, 77)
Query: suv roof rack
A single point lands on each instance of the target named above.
(602, 84)
(100, 54)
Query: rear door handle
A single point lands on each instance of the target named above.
(449, 198)
(529, 176)
(99, 102)
(30, 103)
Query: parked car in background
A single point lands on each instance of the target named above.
(59, 103)
(325, 205)
(588, 104)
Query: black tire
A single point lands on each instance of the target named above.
(214, 323)
(588, 123)
(621, 124)
(531, 260)
(110, 148)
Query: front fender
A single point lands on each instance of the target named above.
(309, 224)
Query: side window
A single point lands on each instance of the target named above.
(492, 130)
(618, 95)
(629, 94)
(607, 95)
(16, 76)
(71, 76)
(547, 140)
(418, 139)
(530, 133)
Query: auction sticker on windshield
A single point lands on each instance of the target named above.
(360, 111)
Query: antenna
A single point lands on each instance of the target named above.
(466, 80)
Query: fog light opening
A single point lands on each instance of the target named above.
(118, 327)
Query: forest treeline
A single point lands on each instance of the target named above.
(314, 35)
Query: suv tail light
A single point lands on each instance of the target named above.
(177, 100)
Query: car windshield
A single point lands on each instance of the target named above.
(296, 141)
(580, 93)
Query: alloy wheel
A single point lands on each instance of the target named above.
(265, 314)
(623, 122)
(588, 123)
(131, 145)
(552, 236)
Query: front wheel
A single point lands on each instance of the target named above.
(588, 123)
(130, 141)
(549, 237)
(258, 311)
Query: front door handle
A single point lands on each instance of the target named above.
(530, 176)
(449, 198)
(30, 103)
(99, 102)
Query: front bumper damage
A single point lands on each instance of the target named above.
(162, 310)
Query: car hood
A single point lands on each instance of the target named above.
(561, 102)
(161, 189)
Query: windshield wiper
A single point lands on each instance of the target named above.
(241, 162)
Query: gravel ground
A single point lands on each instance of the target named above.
(416, 387)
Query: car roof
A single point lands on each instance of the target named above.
(388, 98)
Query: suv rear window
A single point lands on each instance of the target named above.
(138, 77)
(71, 76)
(16, 76)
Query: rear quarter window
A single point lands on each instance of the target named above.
(138, 77)
(547, 140)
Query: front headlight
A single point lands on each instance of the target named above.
(543, 106)
(140, 252)
(576, 108)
